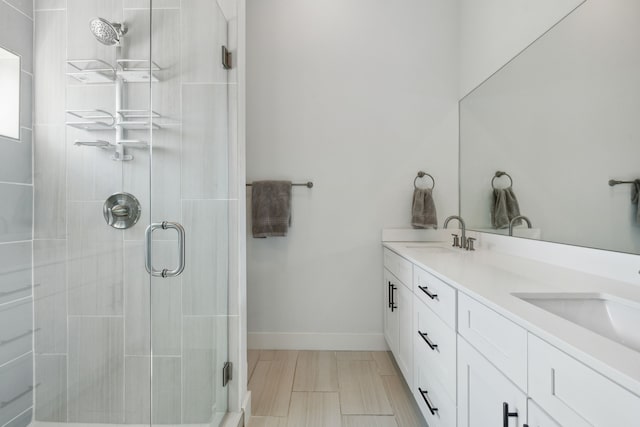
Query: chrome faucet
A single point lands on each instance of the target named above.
(514, 219)
(463, 238)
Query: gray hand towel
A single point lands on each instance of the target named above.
(635, 197)
(504, 208)
(423, 209)
(270, 208)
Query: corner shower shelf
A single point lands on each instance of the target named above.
(97, 71)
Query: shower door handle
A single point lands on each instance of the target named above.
(165, 272)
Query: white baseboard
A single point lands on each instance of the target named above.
(315, 341)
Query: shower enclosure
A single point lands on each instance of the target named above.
(114, 288)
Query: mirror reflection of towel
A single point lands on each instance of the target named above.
(635, 197)
(270, 208)
(423, 209)
(504, 208)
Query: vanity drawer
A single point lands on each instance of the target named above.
(400, 267)
(574, 394)
(444, 408)
(498, 339)
(436, 294)
(435, 347)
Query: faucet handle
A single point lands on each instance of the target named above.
(470, 241)
(456, 241)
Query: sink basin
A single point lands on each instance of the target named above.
(612, 317)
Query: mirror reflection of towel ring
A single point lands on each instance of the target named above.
(421, 175)
(500, 174)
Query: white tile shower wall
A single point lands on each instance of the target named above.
(94, 298)
(16, 229)
(357, 96)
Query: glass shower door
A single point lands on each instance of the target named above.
(129, 318)
(189, 213)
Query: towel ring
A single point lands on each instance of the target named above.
(498, 175)
(421, 175)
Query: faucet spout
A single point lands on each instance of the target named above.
(513, 221)
(463, 237)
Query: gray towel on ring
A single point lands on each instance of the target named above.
(504, 208)
(423, 209)
(635, 197)
(270, 208)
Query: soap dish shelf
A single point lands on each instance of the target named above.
(137, 70)
(91, 71)
(118, 149)
(137, 119)
(97, 71)
(92, 120)
(101, 120)
(97, 143)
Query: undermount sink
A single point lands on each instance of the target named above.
(612, 317)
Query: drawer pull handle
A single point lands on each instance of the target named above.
(506, 414)
(424, 393)
(426, 291)
(393, 301)
(426, 339)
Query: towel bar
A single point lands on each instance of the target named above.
(613, 182)
(307, 184)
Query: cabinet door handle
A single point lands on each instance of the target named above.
(424, 393)
(506, 414)
(393, 302)
(426, 339)
(425, 289)
(389, 294)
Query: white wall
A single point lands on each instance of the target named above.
(492, 32)
(357, 96)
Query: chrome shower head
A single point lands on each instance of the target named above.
(106, 32)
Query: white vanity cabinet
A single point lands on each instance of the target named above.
(470, 362)
(485, 396)
(391, 328)
(574, 394)
(539, 418)
(398, 320)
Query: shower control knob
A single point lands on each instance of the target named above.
(121, 210)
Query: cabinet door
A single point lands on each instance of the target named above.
(539, 418)
(483, 391)
(404, 298)
(391, 311)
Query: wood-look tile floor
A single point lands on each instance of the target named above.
(329, 389)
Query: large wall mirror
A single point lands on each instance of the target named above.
(9, 94)
(562, 119)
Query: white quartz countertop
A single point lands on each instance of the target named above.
(492, 278)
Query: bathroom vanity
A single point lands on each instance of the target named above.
(489, 339)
